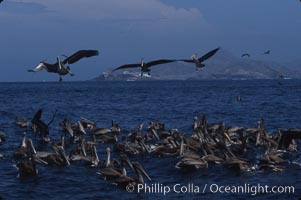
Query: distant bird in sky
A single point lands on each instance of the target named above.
(59, 67)
(267, 52)
(245, 55)
(145, 66)
(198, 61)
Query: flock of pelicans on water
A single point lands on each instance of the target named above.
(82, 142)
(60, 67)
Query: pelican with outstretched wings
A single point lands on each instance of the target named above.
(267, 52)
(59, 67)
(245, 55)
(198, 61)
(145, 66)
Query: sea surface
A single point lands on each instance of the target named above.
(174, 103)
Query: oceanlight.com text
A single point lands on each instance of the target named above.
(191, 188)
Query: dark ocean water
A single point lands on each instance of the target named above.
(174, 103)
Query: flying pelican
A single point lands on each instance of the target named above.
(267, 52)
(59, 67)
(245, 55)
(198, 61)
(145, 67)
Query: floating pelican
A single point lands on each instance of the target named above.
(198, 61)
(2, 137)
(59, 67)
(125, 180)
(145, 67)
(22, 123)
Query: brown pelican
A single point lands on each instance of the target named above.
(59, 67)
(110, 172)
(267, 52)
(22, 151)
(191, 163)
(22, 123)
(237, 163)
(245, 55)
(115, 129)
(124, 181)
(27, 168)
(273, 167)
(92, 160)
(198, 61)
(57, 157)
(2, 137)
(40, 127)
(287, 137)
(145, 66)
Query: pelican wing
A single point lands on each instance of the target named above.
(42, 65)
(79, 55)
(37, 115)
(127, 66)
(158, 62)
(208, 55)
(245, 54)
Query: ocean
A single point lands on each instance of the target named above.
(174, 103)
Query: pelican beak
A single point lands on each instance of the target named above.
(87, 121)
(39, 160)
(83, 148)
(69, 129)
(32, 147)
(182, 147)
(95, 152)
(23, 144)
(64, 155)
(127, 160)
(141, 170)
(81, 128)
(155, 134)
(144, 146)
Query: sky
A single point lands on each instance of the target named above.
(125, 30)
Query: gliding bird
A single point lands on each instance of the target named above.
(245, 55)
(60, 68)
(145, 67)
(198, 61)
(267, 52)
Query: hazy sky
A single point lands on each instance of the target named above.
(125, 30)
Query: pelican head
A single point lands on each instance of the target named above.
(194, 56)
(142, 62)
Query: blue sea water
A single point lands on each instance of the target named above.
(174, 103)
